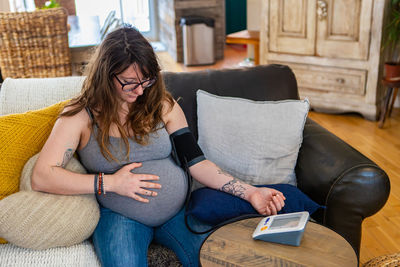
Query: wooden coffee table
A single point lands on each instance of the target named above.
(233, 245)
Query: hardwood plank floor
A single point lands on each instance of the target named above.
(381, 233)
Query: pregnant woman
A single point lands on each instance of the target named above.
(120, 126)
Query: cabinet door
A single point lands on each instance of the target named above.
(344, 28)
(292, 26)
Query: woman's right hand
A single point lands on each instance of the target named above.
(129, 184)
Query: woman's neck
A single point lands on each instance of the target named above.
(123, 112)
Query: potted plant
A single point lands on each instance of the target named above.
(50, 4)
(391, 42)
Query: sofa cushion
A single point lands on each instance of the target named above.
(21, 95)
(256, 83)
(213, 206)
(40, 220)
(22, 136)
(79, 255)
(255, 141)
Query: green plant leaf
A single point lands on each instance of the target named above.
(50, 4)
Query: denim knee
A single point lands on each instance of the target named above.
(175, 235)
(120, 241)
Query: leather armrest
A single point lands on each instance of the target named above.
(336, 175)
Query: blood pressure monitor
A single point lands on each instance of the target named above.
(283, 228)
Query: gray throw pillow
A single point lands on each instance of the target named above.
(255, 141)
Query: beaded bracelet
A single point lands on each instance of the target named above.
(96, 176)
(103, 187)
(102, 182)
(100, 186)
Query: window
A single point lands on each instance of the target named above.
(140, 13)
(21, 5)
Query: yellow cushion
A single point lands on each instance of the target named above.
(22, 136)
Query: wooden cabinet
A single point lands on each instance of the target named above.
(332, 46)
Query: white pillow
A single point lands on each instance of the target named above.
(255, 141)
(23, 94)
(39, 220)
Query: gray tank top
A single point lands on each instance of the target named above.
(156, 159)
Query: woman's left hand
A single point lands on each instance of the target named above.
(266, 201)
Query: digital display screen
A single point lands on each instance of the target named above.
(289, 222)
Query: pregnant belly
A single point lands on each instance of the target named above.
(170, 199)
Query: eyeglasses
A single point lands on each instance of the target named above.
(132, 86)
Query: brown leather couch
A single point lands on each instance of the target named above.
(328, 170)
(331, 172)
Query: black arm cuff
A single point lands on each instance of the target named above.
(185, 148)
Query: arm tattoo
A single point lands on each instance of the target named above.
(219, 171)
(233, 187)
(67, 156)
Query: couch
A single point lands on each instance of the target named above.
(328, 170)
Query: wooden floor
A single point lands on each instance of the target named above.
(381, 232)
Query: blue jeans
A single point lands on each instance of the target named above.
(120, 241)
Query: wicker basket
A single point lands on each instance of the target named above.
(34, 44)
(392, 260)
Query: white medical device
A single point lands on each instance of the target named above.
(282, 228)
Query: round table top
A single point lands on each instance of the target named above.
(233, 245)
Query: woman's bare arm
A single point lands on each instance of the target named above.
(49, 174)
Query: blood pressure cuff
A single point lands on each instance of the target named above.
(185, 149)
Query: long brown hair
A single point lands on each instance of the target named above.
(120, 49)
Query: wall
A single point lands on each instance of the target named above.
(254, 14)
(253, 20)
(4, 6)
